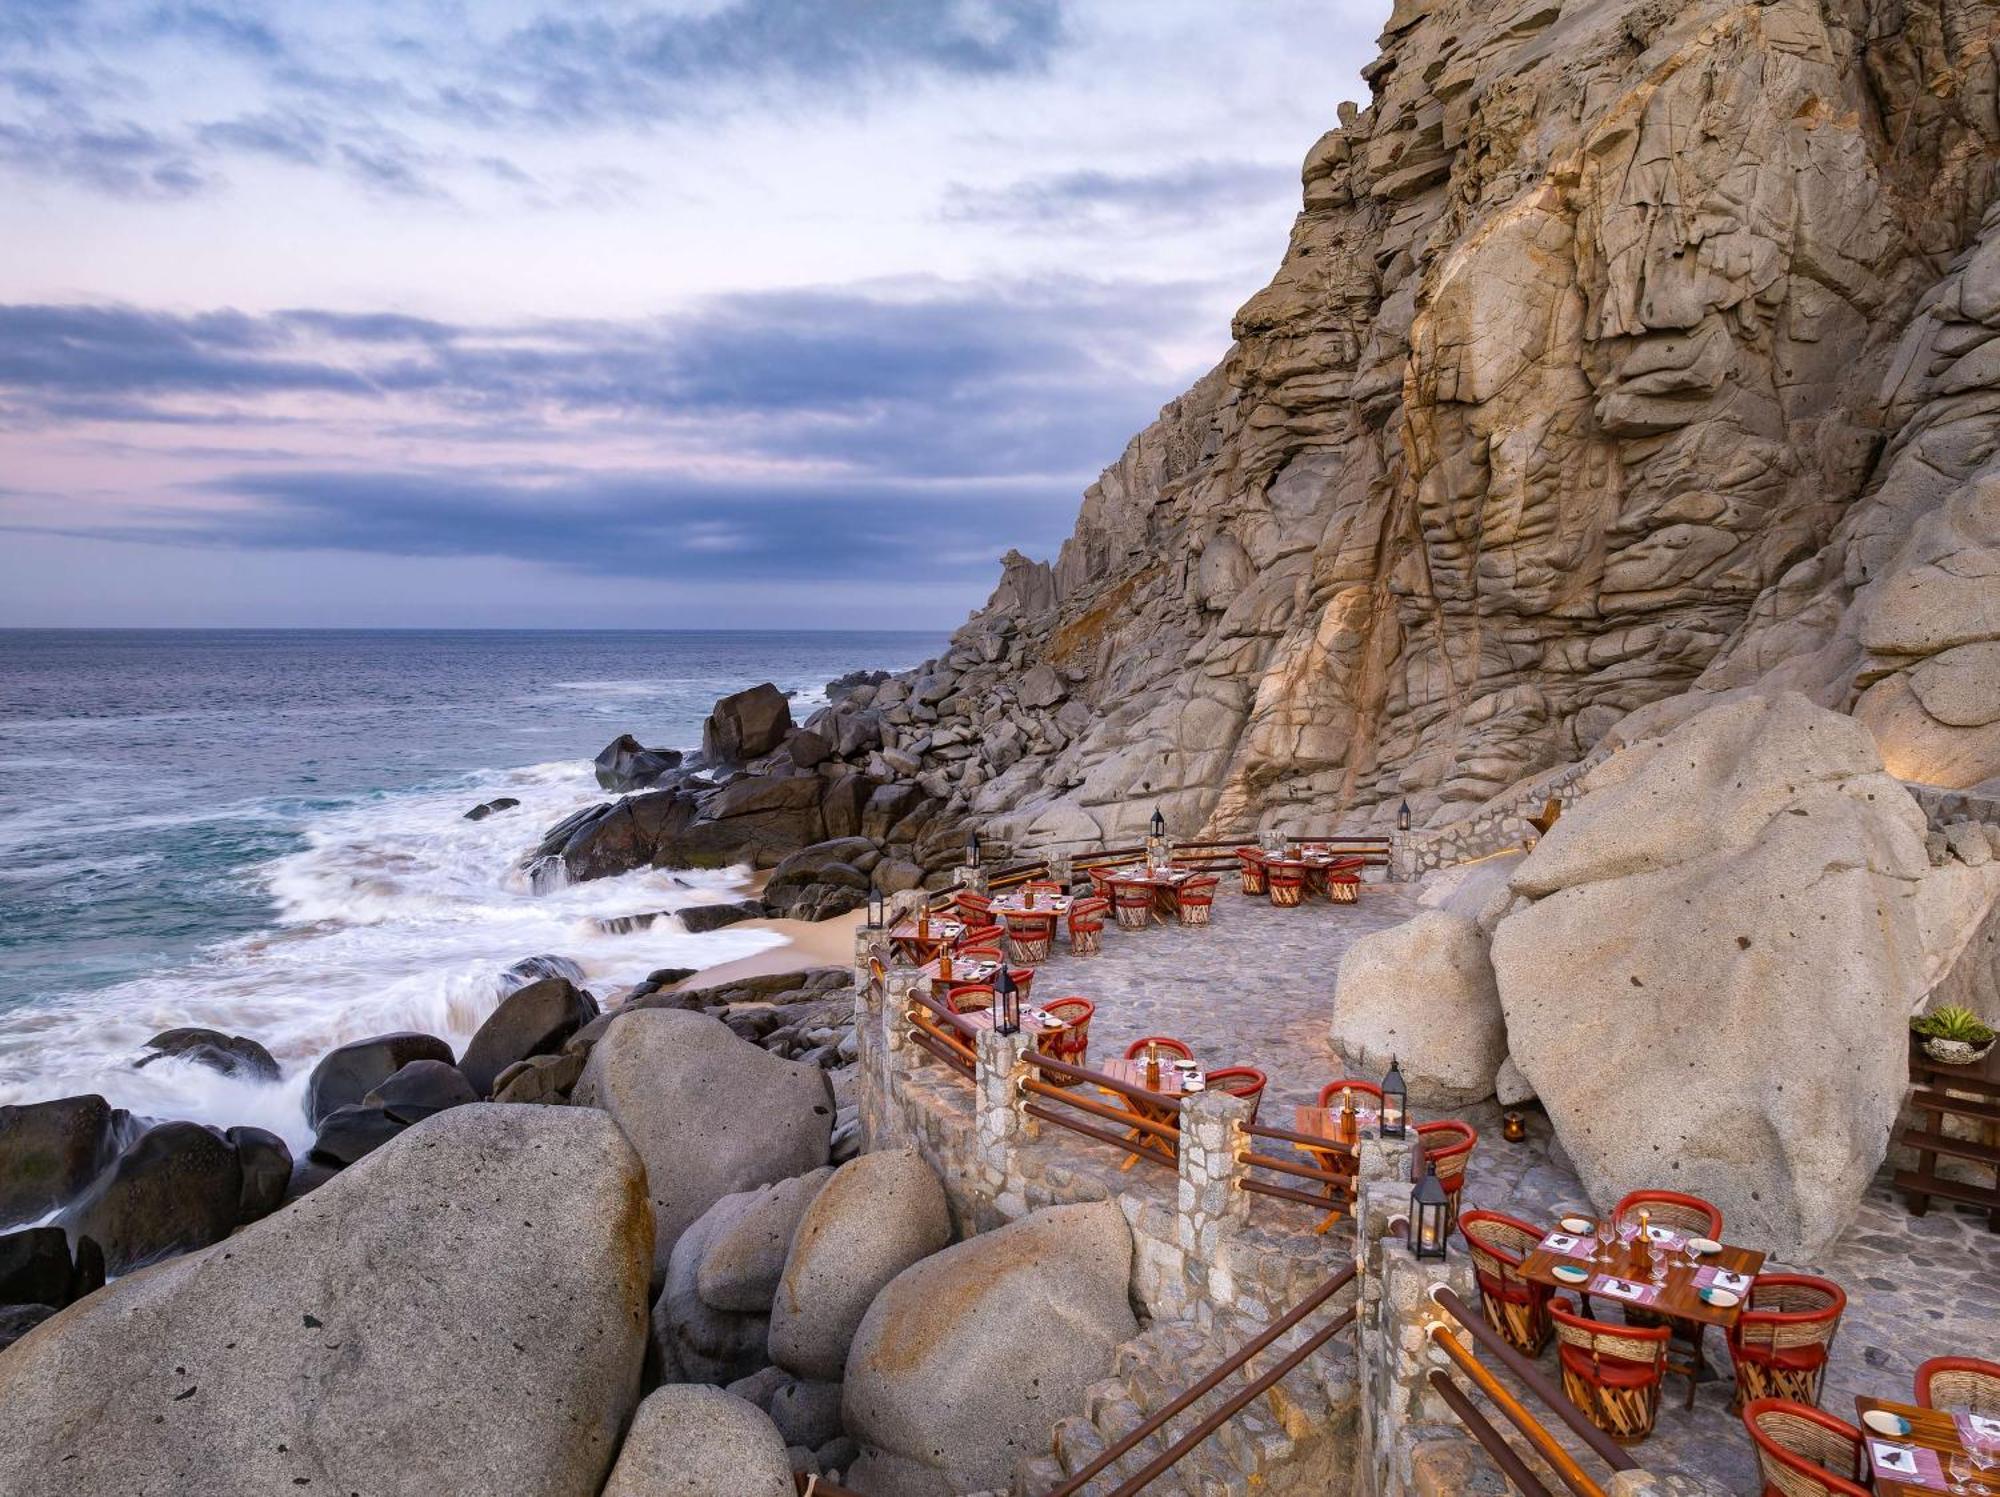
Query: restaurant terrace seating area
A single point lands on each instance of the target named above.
(1669, 1335)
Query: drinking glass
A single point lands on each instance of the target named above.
(1607, 1238)
(1960, 1471)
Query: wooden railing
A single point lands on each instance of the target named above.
(1053, 1104)
(943, 1034)
(1532, 1429)
(1336, 1188)
(1229, 1408)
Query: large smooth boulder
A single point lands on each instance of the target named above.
(697, 1441)
(49, 1151)
(225, 1054)
(1423, 993)
(350, 1072)
(693, 1340)
(534, 1020)
(746, 1256)
(879, 1214)
(421, 1088)
(968, 1357)
(266, 1162)
(461, 1314)
(179, 1186)
(1710, 984)
(709, 1113)
(746, 725)
(624, 764)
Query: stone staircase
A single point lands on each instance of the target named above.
(1289, 1441)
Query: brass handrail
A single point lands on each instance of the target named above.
(1560, 1460)
(1482, 1430)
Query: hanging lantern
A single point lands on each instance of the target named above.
(1403, 817)
(1395, 1102)
(972, 849)
(1006, 1003)
(878, 906)
(1430, 1212)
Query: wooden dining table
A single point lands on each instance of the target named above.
(1165, 883)
(1918, 1464)
(1679, 1298)
(963, 969)
(1168, 1086)
(1045, 904)
(907, 943)
(1339, 1155)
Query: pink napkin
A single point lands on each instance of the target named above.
(1907, 1463)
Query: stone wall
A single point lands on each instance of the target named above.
(1501, 825)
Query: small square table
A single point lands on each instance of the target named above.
(1935, 1437)
(1678, 1299)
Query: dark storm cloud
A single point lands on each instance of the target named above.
(860, 428)
(1187, 193)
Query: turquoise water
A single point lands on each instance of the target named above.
(263, 831)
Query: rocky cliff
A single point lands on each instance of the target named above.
(1624, 351)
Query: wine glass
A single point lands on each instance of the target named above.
(1961, 1473)
(1607, 1238)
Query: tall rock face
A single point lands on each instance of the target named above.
(1620, 346)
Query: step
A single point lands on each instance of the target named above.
(1950, 1190)
(1075, 1443)
(1958, 1107)
(1958, 1148)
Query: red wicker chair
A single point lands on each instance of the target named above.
(1611, 1372)
(1071, 1044)
(1780, 1342)
(1286, 881)
(1517, 1308)
(1240, 1081)
(1343, 888)
(1250, 870)
(1029, 936)
(973, 909)
(1024, 982)
(1673, 1208)
(1448, 1144)
(1197, 899)
(1086, 926)
(989, 934)
(1964, 1384)
(1167, 1043)
(1133, 900)
(1100, 882)
(1805, 1452)
(969, 997)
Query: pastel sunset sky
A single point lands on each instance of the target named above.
(726, 313)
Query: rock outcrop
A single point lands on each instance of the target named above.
(1565, 399)
(694, 1441)
(1719, 950)
(461, 1313)
(1422, 993)
(954, 1373)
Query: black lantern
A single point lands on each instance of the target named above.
(1006, 1003)
(1395, 1102)
(1403, 817)
(878, 906)
(1430, 1215)
(972, 849)
(1159, 823)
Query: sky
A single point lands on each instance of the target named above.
(586, 313)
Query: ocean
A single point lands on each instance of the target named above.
(264, 833)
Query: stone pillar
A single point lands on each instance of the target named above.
(969, 878)
(1402, 857)
(1210, 1205)
(1000, 1118)
(1061, 869)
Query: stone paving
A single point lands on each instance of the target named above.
(1252, 988)
(1255, 988)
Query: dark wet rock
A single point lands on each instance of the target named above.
(354, 1132)
(532, 1021)
(887, 806)
(807, 749)
(543, 1079)
(841, 808)
(50, 1151)
(535, 968)
(746, 725)
(491, 807)
(818, 881)
(90, 1272)
(840, 688)
(266, 1162)
(308, 1174)
(17, 1320)
(754, 819)
(178, 1187)
(346, 1075)
(421, 1088)
(662, 977)
(228, 1054)
(699, 918)
(625, 765)
(36, 1267)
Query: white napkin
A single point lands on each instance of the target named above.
(1624, 1289)
(1561, 1242)
(1901, 1459)
(1734, 1282)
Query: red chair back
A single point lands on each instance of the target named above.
(1240, 1081)
(1364, 1091)
(969, 997)
(1087, 914)
(1966, 1385)
(1167, 1043)
(1805, 1452)
(1673, 1208)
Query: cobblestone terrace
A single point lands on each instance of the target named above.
(1255, 988)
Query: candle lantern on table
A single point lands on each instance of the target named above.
(1430, 1210)
(1513, 1127)
(1006, 1003)
(1395, 1102)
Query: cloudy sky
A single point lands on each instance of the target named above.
(594, 313)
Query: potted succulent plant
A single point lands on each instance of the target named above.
(1953, 1036)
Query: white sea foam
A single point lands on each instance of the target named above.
(397, 914)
